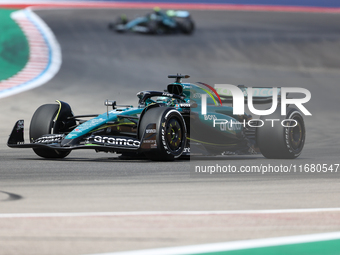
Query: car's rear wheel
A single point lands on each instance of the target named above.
(281, 142)
(187, 26)
(42, 124)
(170, 132)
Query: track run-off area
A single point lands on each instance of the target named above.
(91, 203)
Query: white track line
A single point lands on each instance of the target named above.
(44, 55)
(164, 213)
(235, 245)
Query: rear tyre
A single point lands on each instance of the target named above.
(170, 133)
(42, 124)
(187, 26)
(280, 142)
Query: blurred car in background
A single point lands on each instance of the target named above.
(158, 22)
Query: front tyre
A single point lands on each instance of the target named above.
(280, 142)
(42, 124)
(170, 133)
(155, 28)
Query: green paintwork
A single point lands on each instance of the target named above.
(14, 49)
(331, 247)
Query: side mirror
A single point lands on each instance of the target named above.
(110, 103)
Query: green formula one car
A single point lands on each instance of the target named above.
(166, 125)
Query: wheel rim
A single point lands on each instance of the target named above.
(174, 134)
(296, 135)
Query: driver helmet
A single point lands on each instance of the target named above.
(157, 9)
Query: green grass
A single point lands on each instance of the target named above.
(14, 50)
(331, 247)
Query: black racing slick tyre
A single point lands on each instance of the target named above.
(187, 26)
(154, 28)
(170, 133)
(111, 26)
(282, 141)
(42, 124)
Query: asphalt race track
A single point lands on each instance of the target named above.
(250, 48)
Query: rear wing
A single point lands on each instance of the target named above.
(261, 95)
(177, 14)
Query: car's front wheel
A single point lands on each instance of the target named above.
(171, 134)
(42, 124)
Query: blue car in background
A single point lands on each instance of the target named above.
(158, 22)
